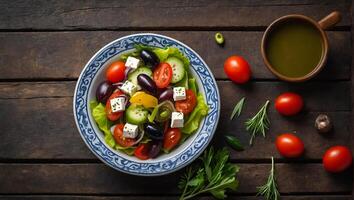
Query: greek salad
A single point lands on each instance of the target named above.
(149, 102)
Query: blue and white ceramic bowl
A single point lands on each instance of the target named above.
(93, 74)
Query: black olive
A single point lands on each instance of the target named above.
(166, 95)
(155, 148)
(154, 131)
(149, 58)
(147, 83)
(104, 91)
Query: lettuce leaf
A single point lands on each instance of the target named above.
(99, 115)
(163, 54)
(125, 56)
(193, 85)
(127, 150)
(196, 116)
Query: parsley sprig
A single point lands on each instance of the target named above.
(214, 175)
(259, 123)
(269, 191)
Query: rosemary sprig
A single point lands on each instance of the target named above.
(237, 109)
(269, 191)
(259, 123)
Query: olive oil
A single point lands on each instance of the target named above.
(294, 48)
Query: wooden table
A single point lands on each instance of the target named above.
(45, 44)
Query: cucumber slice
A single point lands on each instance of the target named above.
(136, 114)
(132, 77)
(178, 70)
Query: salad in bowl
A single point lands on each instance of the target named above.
(146, 104)
(149, 102)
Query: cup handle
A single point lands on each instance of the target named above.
(330, 20)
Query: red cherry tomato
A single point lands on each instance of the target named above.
(113, 116)
(337, 159)
(171, 138)
(142, 151)
(115, 72)
(289, 103)
(120, 139)
(186, 106)
(289, 145)
(237, 69)
(163, 75)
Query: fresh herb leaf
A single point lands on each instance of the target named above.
(270, 191)
(234, 143)
(214, 175)
(259, 123)
(237, 109)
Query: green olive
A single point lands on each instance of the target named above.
(219, 38)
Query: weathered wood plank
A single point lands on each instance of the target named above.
(73, 197)
(352, 85)
(99, 178)
(71, 15)
(46, 55)
(42, 113)
(35, 90)
(302, 125)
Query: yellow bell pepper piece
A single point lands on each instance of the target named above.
(142, 98)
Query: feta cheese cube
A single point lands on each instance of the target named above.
(179, 93)
(118, 104)
(177, 120)
(132, 62)
(129, 88)
(130, 130)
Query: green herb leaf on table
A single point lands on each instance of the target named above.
(237, 109)
(234, 143)
(259, 123)
(214, 175)
(270, 191)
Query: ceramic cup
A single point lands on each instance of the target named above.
(322, 25)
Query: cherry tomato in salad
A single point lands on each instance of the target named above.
(120, 139)
(113, 116)
(163, 75)
(171, 138)
(289, 103)
(142, 151)
(337, 159)
(237, 69)
(115, 72)
(289, 145)
(186, 106)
